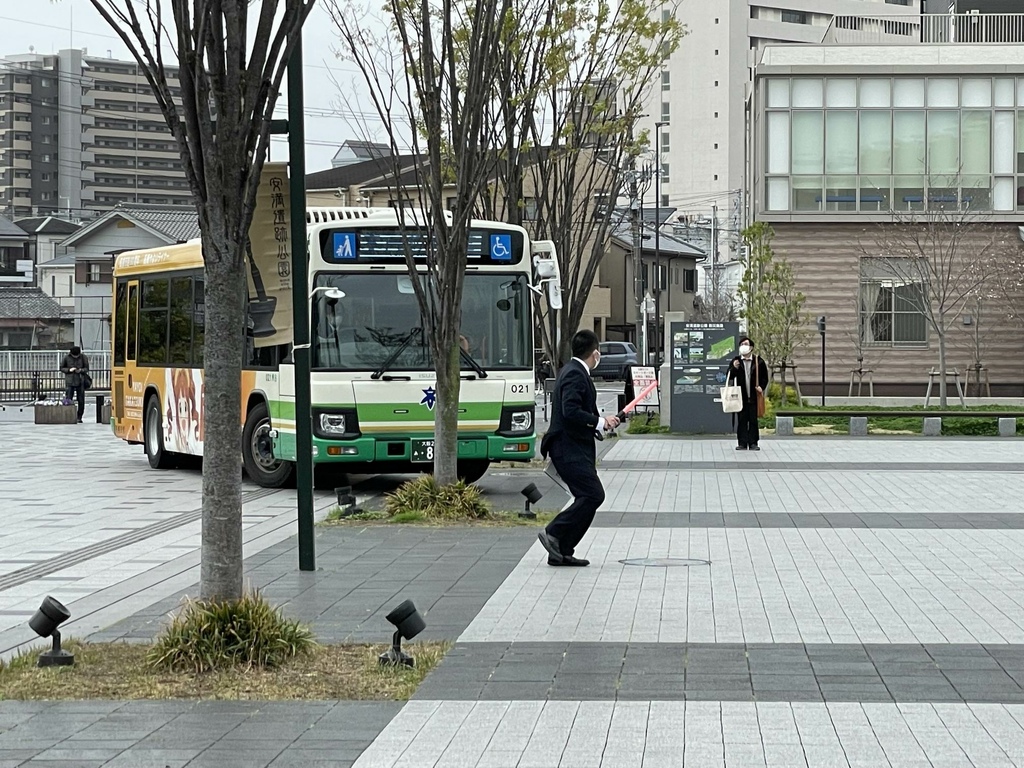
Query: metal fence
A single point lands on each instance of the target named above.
(32, 386)
(970, 28)
(47, 360)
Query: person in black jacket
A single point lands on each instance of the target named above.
(575, 422)
(75, 368)
(750, 373)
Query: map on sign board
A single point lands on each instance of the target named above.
(642, 377)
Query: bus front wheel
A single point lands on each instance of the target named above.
(471, 470)
(258, 457)
(154, 431)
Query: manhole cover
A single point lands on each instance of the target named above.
(663, 562)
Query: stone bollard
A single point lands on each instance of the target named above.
(783, 426)
(932, 427)
(1007, 427)
(858, 426)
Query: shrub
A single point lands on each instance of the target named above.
(248, 632)
(640, 424)
(423, 495)
(775, 395)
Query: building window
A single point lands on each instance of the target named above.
(664, 173)
(664, 201)
(530, 209)
(794, 17)
(665, 80)
(880, 144)
(666, 16)
(890, 304)
(897, 2)
(666, 112)
(666, 143)
(690, 280)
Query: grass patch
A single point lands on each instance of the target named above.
(646, 425)
(120, 671)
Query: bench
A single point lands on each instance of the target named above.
(932, 420)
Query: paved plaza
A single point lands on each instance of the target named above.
(826, 602)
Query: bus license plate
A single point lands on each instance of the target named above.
(422, 450)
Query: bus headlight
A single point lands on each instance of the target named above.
(516, 421)
(332, 423)
(522, 421)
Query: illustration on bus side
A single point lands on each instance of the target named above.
(183, 426)
(268, 252)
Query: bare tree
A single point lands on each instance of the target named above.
(575, 77)
(1007, 293)
(435, 71)
(716, 304)
(934, 263)
(231, 57)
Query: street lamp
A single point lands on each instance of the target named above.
(659, 341)
(821, 330)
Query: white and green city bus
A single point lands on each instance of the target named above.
(372, 379)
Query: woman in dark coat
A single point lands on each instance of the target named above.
(749, 372)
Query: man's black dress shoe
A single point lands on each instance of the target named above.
(550, 543)
(570, 561)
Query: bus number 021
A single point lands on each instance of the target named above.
(520, 389)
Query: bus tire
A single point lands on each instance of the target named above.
(471, 470)
(257, 455)
(153, 429)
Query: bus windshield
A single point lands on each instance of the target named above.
(380, 312)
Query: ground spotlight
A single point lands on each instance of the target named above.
(51, 614)
(346, 501)
(408, 623)
(533, 495)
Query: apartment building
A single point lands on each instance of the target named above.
(80, 134)
(703, 94)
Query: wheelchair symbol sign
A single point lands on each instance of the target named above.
(501, 247)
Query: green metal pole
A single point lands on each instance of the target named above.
(300, 308)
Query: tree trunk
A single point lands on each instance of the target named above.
(942, 370)
(783, 397)
(446, 418)
(221, 573)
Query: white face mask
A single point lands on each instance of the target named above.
(744, 349)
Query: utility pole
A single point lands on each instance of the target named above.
(638, 285)
(658, 336)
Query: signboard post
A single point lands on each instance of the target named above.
(700, 356)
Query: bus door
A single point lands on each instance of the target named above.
(127, 405)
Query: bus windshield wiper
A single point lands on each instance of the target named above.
(398, 351)
(473, 363)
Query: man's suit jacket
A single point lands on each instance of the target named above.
(574, 415)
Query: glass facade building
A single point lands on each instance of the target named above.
(903, 143)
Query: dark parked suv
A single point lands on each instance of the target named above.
(616, 356)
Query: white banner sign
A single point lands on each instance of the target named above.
(644, 376)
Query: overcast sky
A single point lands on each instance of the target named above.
(49, 27)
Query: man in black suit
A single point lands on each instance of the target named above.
(575, 423)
